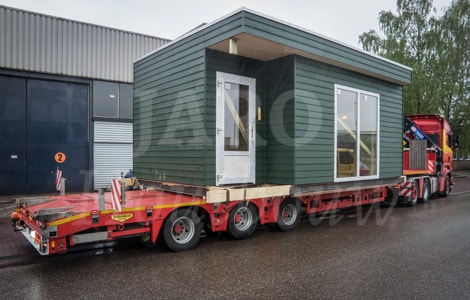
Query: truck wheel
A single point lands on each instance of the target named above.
(447, 187)
(289, 215)
(242, 221)
(182, 230)
(413, 199)
(426, 191)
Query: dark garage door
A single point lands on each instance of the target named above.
(56, 121)
(12, 135)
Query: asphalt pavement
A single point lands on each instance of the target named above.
(420, 252)
(15, 250)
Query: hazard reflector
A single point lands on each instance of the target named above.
(430, 166)
(116, 196)
(406, 189)
(58, 179)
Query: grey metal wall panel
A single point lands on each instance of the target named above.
(41, 43)
(112, 151)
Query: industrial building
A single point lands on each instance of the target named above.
(65, 101)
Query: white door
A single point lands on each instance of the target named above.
(236, 129)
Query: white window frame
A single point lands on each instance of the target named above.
(358, 146)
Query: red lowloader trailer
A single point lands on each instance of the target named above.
(57, 224)
(177, 214)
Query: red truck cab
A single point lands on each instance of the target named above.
(428, 144)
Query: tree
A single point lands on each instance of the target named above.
(404, 41)
(438, 51)
(451, 61)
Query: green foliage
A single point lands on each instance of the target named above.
(437, 48)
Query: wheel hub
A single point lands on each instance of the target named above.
(178, 228)
(238, 218)
(183, 230)
(289, 214)
(243, 218)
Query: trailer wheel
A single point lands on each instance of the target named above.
(426, 191)
(242, 221)
(182, 230)
(447, 187)
(289, 215)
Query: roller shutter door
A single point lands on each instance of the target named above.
(112, 151)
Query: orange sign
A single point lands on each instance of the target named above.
(60, 157)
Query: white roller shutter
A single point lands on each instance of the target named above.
(112, 151)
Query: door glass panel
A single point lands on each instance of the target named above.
(236, 124)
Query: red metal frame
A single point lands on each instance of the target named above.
(145, 212)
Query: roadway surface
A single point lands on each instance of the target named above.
(421, 252)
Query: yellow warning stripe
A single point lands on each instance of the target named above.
(415, 172)
(70, 219)
(111, 211)
(179, 204)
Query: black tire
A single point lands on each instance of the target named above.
(426, 191)
(182, 230)
(413, 200)
(242, 220)
(392, 198)
(447, 187)
(289, 215)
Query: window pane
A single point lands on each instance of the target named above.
(105, 99)
(346, 108)
(125, 101)
(369, 126)
(236, 117)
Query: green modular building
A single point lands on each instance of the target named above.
(249, 99)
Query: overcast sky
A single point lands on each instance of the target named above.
(342, 20)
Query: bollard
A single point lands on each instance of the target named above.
(62, 186)
(123, 189)
(101, 198)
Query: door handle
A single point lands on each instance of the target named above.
(219, 130)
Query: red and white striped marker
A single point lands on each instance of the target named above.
(58, 179)
(116, 197)
(406, 189)
(430, 166)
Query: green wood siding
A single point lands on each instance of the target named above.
(280, 112)
(169, 104)
(323, 48)
(314, 152)
(172, 132)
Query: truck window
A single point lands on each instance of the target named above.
(435, 137)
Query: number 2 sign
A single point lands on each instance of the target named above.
(60, 157)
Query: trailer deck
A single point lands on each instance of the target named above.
(55, 224)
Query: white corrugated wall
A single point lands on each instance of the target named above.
(112, 151)
(41, 43)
